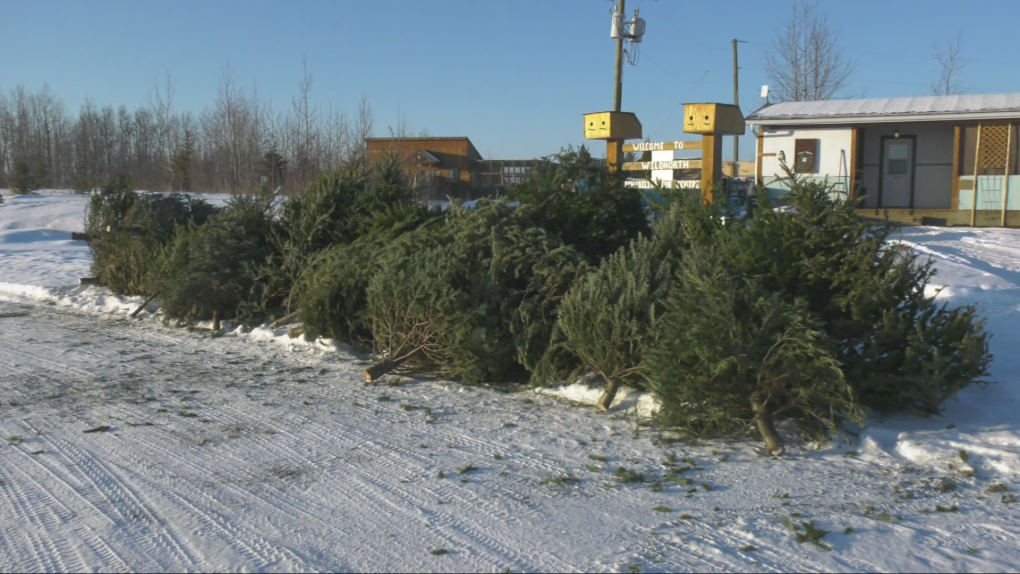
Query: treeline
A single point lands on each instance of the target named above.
(240, 141)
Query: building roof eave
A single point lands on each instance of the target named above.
(865, 119)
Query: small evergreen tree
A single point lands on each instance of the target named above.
(610, 318)
(335, 210)
(388, 187)
(896, 346)
(127, 230)
(582, 203)
(731, 356)
(181, 167)
(330, 290)
(493, 283)
(207, 271)
(23, 180)
(273, 168)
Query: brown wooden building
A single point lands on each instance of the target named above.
(450, 166)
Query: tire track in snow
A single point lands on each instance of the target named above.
(189, 494)
(130, 508)
(15, 509)
(357, 484)
(393, 458)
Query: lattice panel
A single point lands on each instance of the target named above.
(993, 147)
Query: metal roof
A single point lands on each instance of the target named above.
(885, 110)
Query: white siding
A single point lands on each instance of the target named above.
(832, 141)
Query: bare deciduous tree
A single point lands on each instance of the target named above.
(948, 82)
(806, 63)
(161, 147)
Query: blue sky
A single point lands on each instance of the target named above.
(514, 76)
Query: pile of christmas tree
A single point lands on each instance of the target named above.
(805, 313)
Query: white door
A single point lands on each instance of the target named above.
(897, 172)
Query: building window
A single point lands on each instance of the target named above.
(805, 156)
(514, 175)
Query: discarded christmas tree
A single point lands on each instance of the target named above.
(731, 357)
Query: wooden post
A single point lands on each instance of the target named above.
(758, 157)
(1005, 177)
(711, 165)
(614, 147)
(977, 163)
(614, 154)
(618, 86)
(957, 134)
(736, 102)
(851, 193)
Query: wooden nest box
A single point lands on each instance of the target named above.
(611, 125)
(713, 119)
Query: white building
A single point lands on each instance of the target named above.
(904, 156)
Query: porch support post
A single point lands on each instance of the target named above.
(977, 164)
(853, 164)
(760, 181)
(1005, 177)
(957, 136)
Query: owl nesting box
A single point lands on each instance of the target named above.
(611, 125)
(713, 119)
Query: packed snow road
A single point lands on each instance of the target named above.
(129, 446)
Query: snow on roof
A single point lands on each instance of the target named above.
(430, 156)
(879, 110)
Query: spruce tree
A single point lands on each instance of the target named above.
(494, 282)
(23, 180)
(583, 203)
(207, 271)
(330, 291)
(896, 345)
(127, 230)
(610, 319)
(730, 357)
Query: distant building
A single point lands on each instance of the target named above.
(450, 166)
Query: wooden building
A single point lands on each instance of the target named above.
(450, 166)
(949, 160)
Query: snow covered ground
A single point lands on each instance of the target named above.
(257, 452)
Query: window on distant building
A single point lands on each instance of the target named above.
(514, 175)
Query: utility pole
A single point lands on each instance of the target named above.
(614, 147)
(736, 102)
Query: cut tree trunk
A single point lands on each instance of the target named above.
(296, 331)
(379, 369)
(142, 306)
(88, 281)
(284, 320)
(376, 371)
(216, 325)
(79, 236)
(612, 387)
(763, 418)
